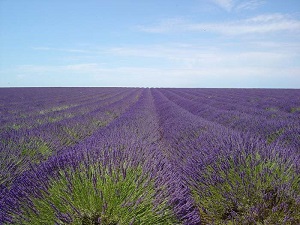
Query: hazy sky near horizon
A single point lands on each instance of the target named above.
(143, 43)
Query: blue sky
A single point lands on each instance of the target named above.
(170, 43)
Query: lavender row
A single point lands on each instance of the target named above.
(283, 130)
(51, 109)
(21, 102)
(140, 127)
(107, 108)
(21, 148)
(231, 176)
(130, 140)
(270, 103)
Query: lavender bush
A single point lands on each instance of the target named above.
(92, 193)
(248, 184)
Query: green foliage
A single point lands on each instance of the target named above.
(73, 134)
(295, 109)
(92, 194)
(56, 109)
(16, 126)
(99, 123)
(272, 137)
(112, 114)
(36, 149)
(54, 119)
(28, 151)
(250, 191)
(272, 109)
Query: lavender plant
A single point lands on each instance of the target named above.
(95, 194)
(249, 187)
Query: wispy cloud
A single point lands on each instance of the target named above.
(237, 5)
(199, 56)
(187, 65)
(165, 26)
(61, 49)
(225, 4)
(69, 68)
(184, 56)
(249, 5)
(260, 24)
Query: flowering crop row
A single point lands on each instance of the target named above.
(149, 156)
(21, 147)
(280, 125)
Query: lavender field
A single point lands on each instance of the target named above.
(120, 156)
